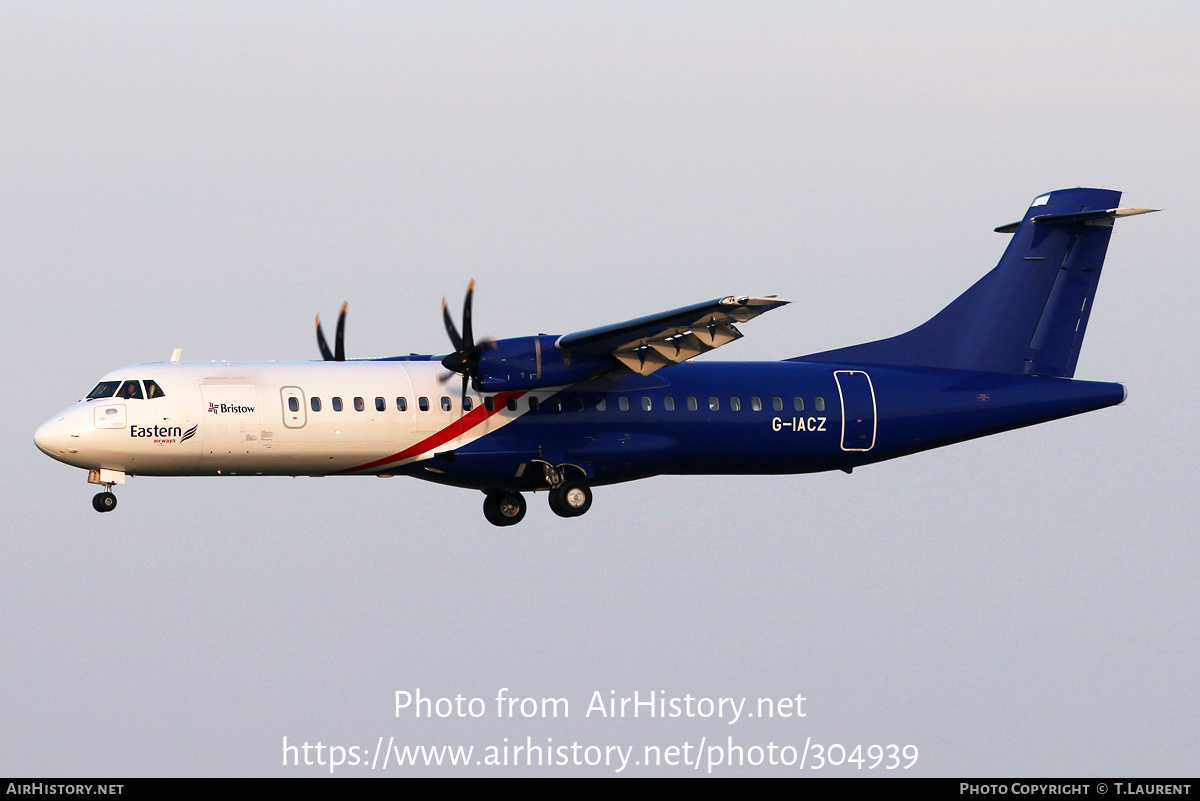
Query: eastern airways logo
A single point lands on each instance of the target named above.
(225, 408)
(163, 435)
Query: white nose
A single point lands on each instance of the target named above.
(53, 438)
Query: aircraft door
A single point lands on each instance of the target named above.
(231, 430)
(405, 402)
(294, 415)
(858, 409)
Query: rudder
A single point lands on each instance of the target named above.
(1030, 313)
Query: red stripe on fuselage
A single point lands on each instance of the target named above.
(456, 429)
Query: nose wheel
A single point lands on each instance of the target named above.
(104, 501)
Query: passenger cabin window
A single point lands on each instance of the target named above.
(777, 404)
(820, 404)
(446, 406)
(735, 404)
(315, 403)
(533, 404)
(423, 403)
(468, 404)
(489, 403)
(511, 403)
(130, 390)
(105, 389)
(359, 405)
(153, 391)
(669, 404)
(402, 404)
(756, 404)
(714, 404)
(293, 404)
(337, 404)
(692, 405)
(578, 403)
(601, 404)
(798, 404)
(645, 404)
(623, 403)
(380, 404)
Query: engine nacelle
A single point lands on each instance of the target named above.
(533, 362)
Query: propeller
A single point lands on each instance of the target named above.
(467, 352)
(339, 339)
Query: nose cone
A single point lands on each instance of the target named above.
(53, 438)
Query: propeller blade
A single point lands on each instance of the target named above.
(465, 358)
(321, 343)
(468, 334)
(339, 339)
(455, 339)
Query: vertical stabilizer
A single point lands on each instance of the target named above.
(1029, 314)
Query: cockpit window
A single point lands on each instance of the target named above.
(153, 390)
(105, 389)
(131, 390)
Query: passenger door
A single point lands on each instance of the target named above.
(858, 410)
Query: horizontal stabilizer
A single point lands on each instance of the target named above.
(1101, 217)
(1028, 315)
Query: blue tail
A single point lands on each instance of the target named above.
(1029, 314)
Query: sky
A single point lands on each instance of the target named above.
(211, 176)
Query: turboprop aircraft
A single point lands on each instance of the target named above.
(564, 414)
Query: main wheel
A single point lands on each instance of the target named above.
(104, 502)
(504, 508)
(571, 499)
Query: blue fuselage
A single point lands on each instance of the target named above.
(763, 418)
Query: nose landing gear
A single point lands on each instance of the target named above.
(104, 501)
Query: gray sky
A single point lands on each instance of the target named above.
(210, 176)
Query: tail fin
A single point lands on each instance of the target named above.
(1029, 314)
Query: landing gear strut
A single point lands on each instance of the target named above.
(571, 499)
(104, 501)
(504, 508)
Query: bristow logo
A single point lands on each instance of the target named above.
(225, 408)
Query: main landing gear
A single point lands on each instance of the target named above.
(571, 499)
(503, 508)
(507, 508)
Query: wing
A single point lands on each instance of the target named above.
(649, 343)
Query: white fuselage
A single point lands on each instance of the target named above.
(274, 418)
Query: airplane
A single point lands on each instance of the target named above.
(564, 414)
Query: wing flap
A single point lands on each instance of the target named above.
(650, 343)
